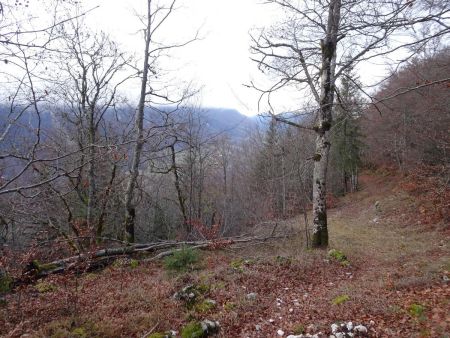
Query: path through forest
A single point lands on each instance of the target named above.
(395, 283)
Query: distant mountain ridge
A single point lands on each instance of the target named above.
(217, 120)
(229, 121)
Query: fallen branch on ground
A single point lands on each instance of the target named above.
(91, 261)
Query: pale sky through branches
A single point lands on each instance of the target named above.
(219, 62)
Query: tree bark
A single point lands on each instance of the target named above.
(130, 210)
(320, 226)
(328, 45)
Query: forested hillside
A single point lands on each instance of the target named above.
(386, 247)
(129, 208)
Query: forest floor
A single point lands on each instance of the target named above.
(395, 282)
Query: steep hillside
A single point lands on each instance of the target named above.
(388, 272)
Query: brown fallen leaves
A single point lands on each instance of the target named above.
(292, 295)
(394, 284)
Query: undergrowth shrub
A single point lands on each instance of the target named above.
(182, 260)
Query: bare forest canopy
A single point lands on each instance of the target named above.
(80, 159)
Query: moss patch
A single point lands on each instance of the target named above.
(416, 311)
(203, 288)
(205, 306)
(159, 335)
(42, 267)
(192, 330)
(156, 335)
(338, 256)
(238, 264)
(134, 263)
(229, 306)
(44, 287)
(79, 332)
(341, 299)
(299, 329)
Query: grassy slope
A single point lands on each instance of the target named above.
(394, 264)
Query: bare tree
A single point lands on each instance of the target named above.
(156, 17)
(319, 40)
(36, 164)
(28, 46)
(92, 70)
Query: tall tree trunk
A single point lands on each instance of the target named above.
(191, 184)
(283, 182)
(346, 173)
(200, 186)
(345, 182)
(181, 199)
(328, 45)
(130, 209)
(320, 226)
(91, 170)
(225, 192)
(102, 215)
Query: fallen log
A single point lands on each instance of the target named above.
(90, 261)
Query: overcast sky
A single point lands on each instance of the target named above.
(219, 63)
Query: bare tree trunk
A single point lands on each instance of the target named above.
(346, 174)
(355, 180)
(181, 199)
(191, 183)
(200, 186)
(320, 227)
(344, 182)
(91, 170)
(225, 193)
(130, 210)
(328, 45)
(101, 218)
(283, 170)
